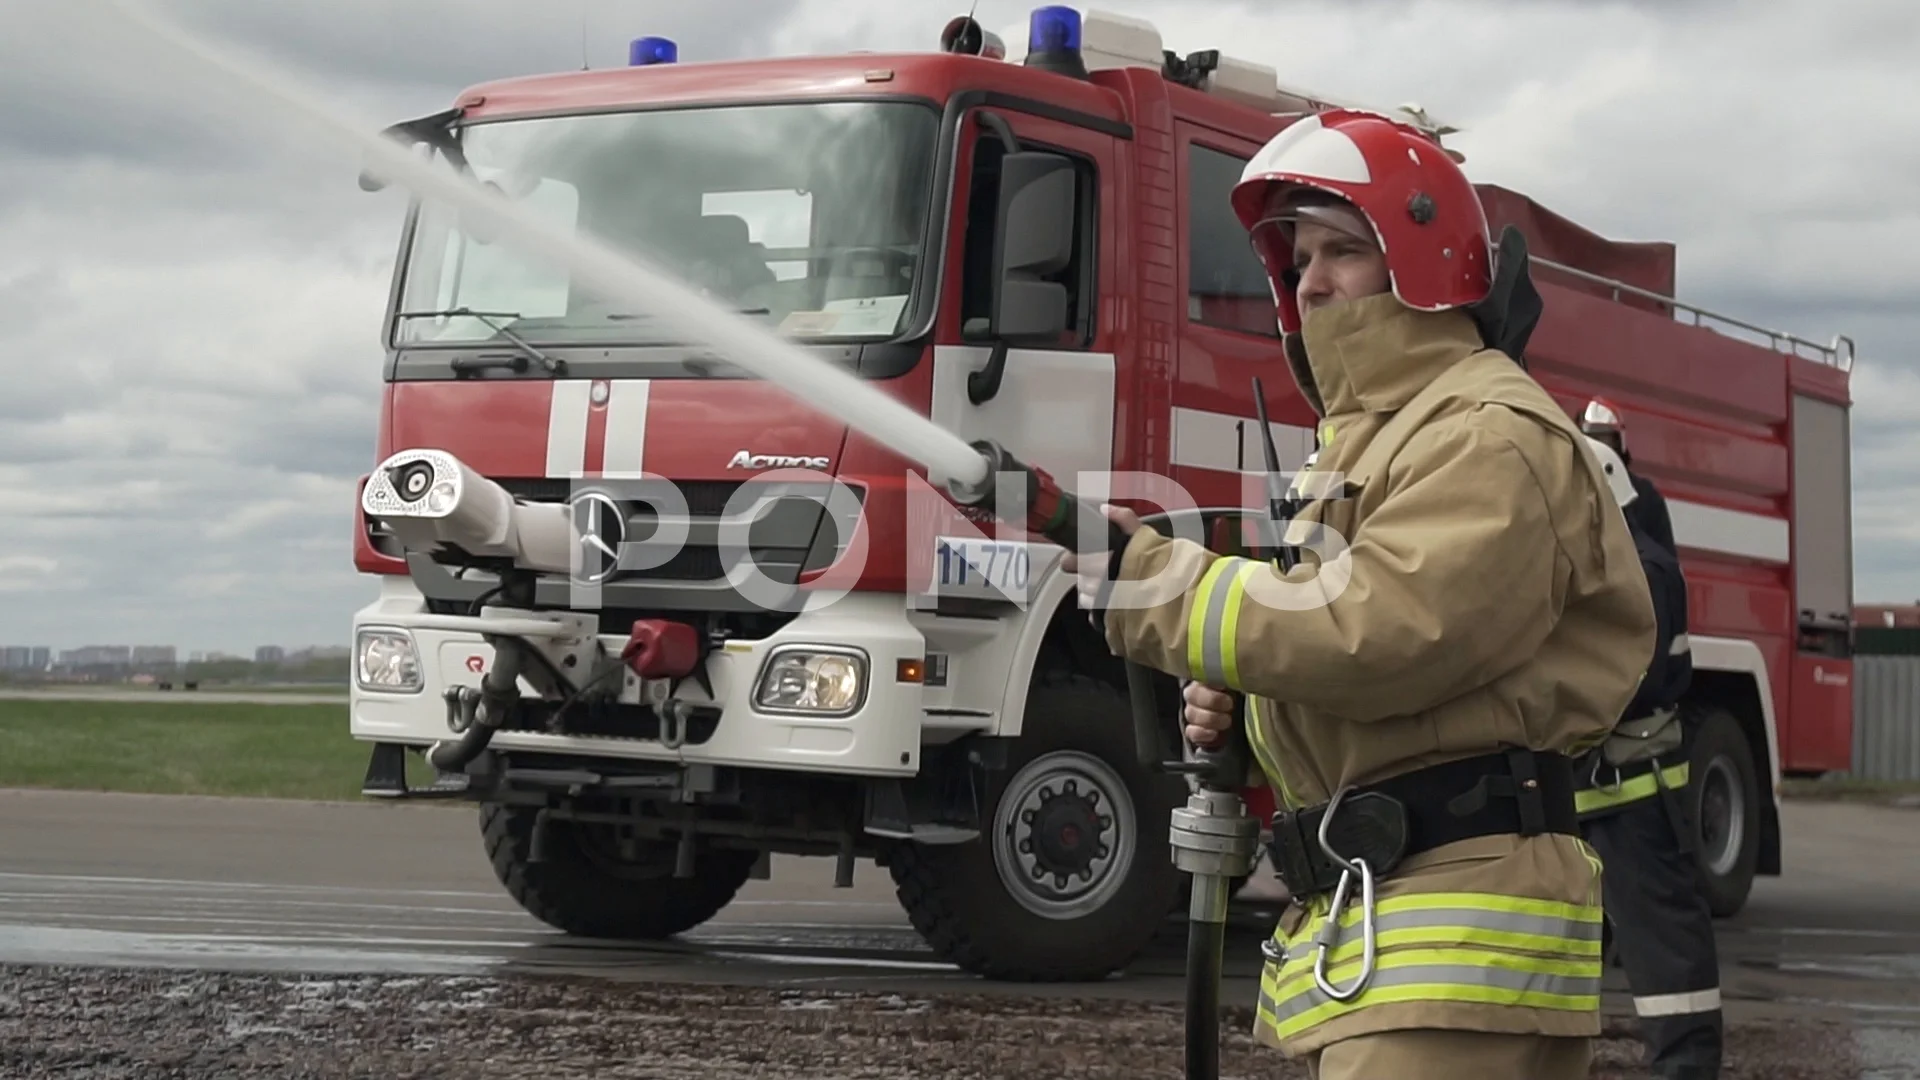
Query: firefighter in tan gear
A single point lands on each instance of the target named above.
(1475, 613)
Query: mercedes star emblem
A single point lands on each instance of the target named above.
(601, 526)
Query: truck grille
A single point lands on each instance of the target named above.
(795, 534)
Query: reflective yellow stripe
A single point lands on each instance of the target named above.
(1214, 621)
(1264, 756)
(1644, 786)
(1293, 983)
(1229, 629)
(1202, 623)
(1490, 909)
(1443, 983)
(1353, 945)
(1283, 1020)
(1459, 947)
(1595, 893)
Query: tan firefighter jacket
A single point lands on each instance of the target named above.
(1492, 596)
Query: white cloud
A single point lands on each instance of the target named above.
(26, 573)
(190, 316)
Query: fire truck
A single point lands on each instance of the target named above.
(1037, 251)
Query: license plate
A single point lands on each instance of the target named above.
(990, 569)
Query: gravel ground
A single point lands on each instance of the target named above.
(97, 1024)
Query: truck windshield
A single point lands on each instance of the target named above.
(809, 216)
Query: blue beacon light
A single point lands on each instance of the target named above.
(647, 51)
(1054, 29)
(1053, 41)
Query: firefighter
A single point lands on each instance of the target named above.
(1471, 617)
(1632, 812)
(1601, 422)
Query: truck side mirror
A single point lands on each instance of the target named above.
(1033, 241)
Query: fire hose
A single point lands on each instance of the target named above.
(1213, 838)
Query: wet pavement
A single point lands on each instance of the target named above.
(306, 926)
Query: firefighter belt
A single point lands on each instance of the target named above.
(1517, 791)
(1637, 762)
(1655, 735)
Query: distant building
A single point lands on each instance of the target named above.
(1887, 616)
(25, 658)
(1886, 629)
(318, 652)
(269, 654)
(97, 656)
(211, 656)
(149, 656)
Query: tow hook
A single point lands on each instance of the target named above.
(674, 715)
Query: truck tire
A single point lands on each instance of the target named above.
(1725, 805)
(1013, 906)
(589, 892)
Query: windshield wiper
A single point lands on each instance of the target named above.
(517, 364)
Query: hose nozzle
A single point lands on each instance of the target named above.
(1050, 510)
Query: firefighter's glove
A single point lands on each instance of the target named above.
(1095, 571)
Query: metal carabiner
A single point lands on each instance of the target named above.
(1329, 934)
(1593, 777)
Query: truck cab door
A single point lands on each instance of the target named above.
(1024, 351)
(1229, 335)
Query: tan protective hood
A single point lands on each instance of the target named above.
(1375, 353)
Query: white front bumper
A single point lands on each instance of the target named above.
(881, 738)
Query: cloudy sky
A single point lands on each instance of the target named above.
(189, 320)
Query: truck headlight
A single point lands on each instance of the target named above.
(386, 660)
(828, 682)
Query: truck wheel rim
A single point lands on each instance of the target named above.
(1723, 819)
(1063, 835)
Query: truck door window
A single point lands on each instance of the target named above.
(1227, 288)
(983, 203)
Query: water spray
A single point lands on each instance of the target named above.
(975, 473)
(274, 102)
(1213, 839)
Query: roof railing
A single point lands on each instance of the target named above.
(1839, 354)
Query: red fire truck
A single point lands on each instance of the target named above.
(976, 747)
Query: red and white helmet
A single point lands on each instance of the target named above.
(1423, 211)
(1601, 418)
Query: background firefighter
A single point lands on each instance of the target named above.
(1633, 813)
(1648, 509)
(1493, 621)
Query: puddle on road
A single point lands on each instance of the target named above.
(551, 954)
(71, 946)
(1872, 968)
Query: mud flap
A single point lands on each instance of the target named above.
(386, 772)
(387, 777)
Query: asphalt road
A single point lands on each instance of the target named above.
(164, 882)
